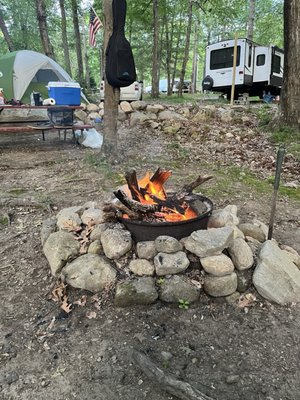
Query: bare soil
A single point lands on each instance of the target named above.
(229, 353)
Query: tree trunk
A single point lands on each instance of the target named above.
(251, 19)
(64, 37)
(42, 21)
(6, 34)
(155, 76)
(187, 47)
(195, 60)
(111, 96)
(176, 53)
(86, 58)
(290, 101)
(77, 41)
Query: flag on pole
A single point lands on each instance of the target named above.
(95, 25)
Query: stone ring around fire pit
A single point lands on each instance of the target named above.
(144, 231)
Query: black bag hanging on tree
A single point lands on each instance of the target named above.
(120, 67)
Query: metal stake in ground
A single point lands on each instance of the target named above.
(279, 161)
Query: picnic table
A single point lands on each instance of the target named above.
(43, 125)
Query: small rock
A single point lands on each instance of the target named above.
(241, 254)
(232, 298)
(167, 264)
(252, 230)
(146, 250)
(141, 267)
(140, 291)
(218, 286)
(92, 215)
(217, 265)
(126, 107)
(166, 355)
(167, 244)
(116, 243)
(232, 379)
(11, 377)
(95, 247)
(177, 288)
(90, 272)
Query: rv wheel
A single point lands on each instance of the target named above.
(207, 83)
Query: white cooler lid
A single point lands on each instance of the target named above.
(64, 84)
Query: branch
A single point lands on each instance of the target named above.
(182, 390)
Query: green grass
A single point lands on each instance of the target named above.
(289, 138)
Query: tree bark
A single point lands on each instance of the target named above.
(251, 19)
(6, 34)
(42, 21)
(290, 101)
(77, 40)
(65, 37)
(187, 47)
(155, 76)
(111, 96)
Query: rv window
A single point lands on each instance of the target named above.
(276, 64)
(260, 60)
(223, 58)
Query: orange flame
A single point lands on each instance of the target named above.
(150, 190)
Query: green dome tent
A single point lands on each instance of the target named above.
(25, 71)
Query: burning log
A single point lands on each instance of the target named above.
(147, 197)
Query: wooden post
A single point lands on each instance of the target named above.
(234, 68)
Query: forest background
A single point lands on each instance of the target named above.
(60, 29)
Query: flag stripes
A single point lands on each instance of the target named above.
(95, 25)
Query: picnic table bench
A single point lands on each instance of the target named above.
(19, 126)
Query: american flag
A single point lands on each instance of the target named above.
(95, 25)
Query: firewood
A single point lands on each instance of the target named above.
(188, 189)
(180, 389)
(134, 205)
(132, 183)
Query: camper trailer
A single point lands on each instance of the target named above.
(259, 69)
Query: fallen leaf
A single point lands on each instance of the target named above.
(246, 300)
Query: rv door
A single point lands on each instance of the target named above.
(261, 64)
(276, 76)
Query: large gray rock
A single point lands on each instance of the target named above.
(146, 250)
(224, 217)
(48, 227)
(276, 277)
(241, 254)
(141, 267)
(138, 117)
(218, 286)
(178, 288)
(126, 107)
(292, 254)
(211, 242)
(170, 115)
(116, 243)
(68, 218)
(154, 108)
(98, 230)
(59, 248)
(254, 231)
(90, 272)
(140, 291)
(217, 265)
(168, 264)
(167, 244)
(138, 105)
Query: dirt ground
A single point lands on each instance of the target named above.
(228, 353)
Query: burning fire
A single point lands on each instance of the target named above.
(150, 191)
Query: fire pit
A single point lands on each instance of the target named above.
(151, 211)
(143, 231)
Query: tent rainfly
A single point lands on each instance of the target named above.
(25, 71)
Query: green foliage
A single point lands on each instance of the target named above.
(160, 281)
(184, 304)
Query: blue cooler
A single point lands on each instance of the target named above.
(65, 93)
